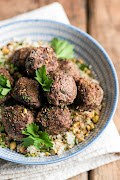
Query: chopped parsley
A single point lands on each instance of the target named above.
(13, 67)
(62, 91)
(2, 63)
(62, 48)
(1, 127)
(25, 97)
(93, 128)
(3, 145)
(37, 138)
(83, 66)
(5, 86)
(43, 79)
(21, 44)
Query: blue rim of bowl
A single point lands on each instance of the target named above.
(115, 79)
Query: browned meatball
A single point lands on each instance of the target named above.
(54, 119)
(27, 91)
(4, 72)
(71, 68)
(89, 94)
(63, 90)
(15, 119)
(19, 58)
(41, 56)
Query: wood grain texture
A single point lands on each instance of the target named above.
(107, 172)
(10, 8)
(83, 176)
(76, 10)
(104, 26)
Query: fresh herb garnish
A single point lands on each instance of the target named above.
(25, 97)
(93, 128)
(62, 48)
(13, 67)
(2, 63)
(36, 137)
(1, 127)
(75, 140)
(83, 66)
(21, 44)
(1, 144)
(62, 91)
(43, 79)
(5, 86)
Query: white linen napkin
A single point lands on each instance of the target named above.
(104, 150)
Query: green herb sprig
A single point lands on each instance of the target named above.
(25, 97)
(5, 86)
(37, 138)
(2, 144)
(83, 66)
(43, 79)
(62, 48)
(1, 127)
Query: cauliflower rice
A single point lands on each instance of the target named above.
(82, 122)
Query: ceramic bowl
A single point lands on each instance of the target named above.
(86, 48)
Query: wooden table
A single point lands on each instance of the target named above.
(101, 19)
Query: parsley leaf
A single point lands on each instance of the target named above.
(5, 86)
(32, 129)
(37, 138)
(1, 127)
(62, 48)
(43, 79)
(83, 66)
(28, 141)
(25, 97)
(3, 145)
(13, 67)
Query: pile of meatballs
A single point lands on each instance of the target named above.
(27, 102)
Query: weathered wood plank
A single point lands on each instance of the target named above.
(83, 176)
(12, 8)
(104, 26)
(76, 10)
(107, 172)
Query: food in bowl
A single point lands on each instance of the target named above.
(50, 101)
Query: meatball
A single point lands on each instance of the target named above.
(41, 56)
(63, 90)
(19, 58)
(54, 119)
(70, 67)
(15, 119)
(89, 94)
(27, 91)
(4, 72)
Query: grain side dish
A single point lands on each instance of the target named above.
(49, 100)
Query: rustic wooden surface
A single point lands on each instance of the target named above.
(101, 19)
(104, 25)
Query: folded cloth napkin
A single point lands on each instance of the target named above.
(104, 150)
